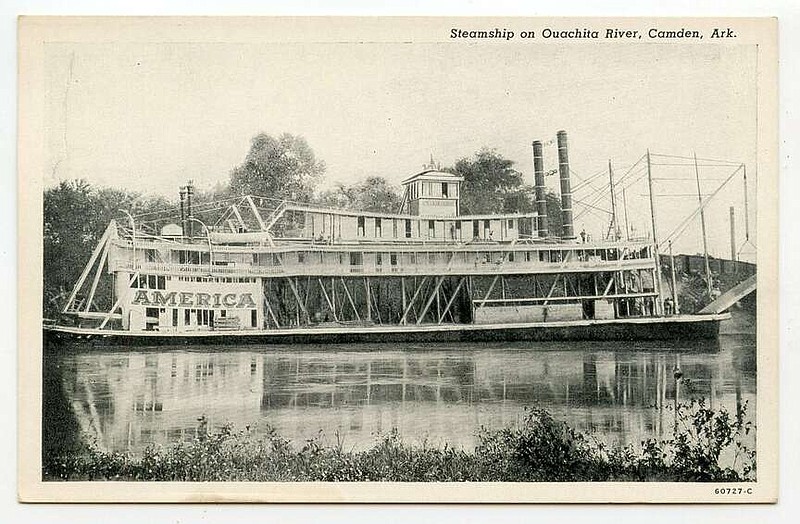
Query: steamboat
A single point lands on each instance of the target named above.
(257, 270)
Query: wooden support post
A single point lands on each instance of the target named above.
(254, 209)
(97, 276)
(333, 297)
(79, 284)
(238, 216)
(430, 299)
(377, 308)
(271, 312)
(674, 280)
(489, 292)
(452, 299)
(407, 309)
(350, 299)
(300, 305)
(368, 295)
(552, 289)
(122, 297)
(327, 299)
(608, 287)
(403, 293)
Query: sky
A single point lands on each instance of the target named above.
(150, 116)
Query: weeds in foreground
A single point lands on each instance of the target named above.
(539, 449)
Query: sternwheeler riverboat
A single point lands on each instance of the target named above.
(257, 270)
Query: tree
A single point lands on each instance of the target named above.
(75, 217)
(492, 185)
(373, 194)
(284, 167)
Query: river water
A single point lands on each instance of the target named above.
(127, 399)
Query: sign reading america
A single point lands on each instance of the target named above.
(149, 297)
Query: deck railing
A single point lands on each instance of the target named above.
(426, 268)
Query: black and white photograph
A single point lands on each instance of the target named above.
(413, 259)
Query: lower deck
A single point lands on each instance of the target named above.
(677, 327)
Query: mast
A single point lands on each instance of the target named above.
(625, 209)
(659, 304)
(614, 224)
(703, 226)
(746, 212)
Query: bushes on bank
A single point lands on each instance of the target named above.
(539, 449)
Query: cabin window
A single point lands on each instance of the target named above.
(205, 317)
(527, 256)
(511, 224)
(393, 259)
(431, 228)
(277, 259)
(253, 318)
(444, 189)
(475, 229)
(301, 257)
(431, 258)
(378, 259)
(187, 317)
(394, 228)
(510, 256)
(361, 226)
(408, 228)
(544, 256)
(378, 228)
(356, 259)
(150, 255)
(412, 258)
(151, 312)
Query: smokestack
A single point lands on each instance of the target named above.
(567, 231)
(189, 194)
(183, 210)
(538, 176)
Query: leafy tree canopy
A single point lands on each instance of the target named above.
(284, 167)
(373, 194)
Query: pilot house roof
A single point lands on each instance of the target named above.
(434, 174)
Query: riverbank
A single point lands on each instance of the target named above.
(540, 449)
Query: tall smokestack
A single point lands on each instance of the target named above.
(567, 231)
(183, 210)
(538, 176)
(189, 194)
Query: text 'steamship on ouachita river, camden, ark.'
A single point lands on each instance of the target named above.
(258, 270)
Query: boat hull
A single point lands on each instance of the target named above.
(684, 327)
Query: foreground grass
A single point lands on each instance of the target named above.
(540, 449)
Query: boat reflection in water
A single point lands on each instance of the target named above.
(129, 399)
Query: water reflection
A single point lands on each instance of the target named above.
(128, 399)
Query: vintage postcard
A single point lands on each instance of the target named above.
(398, 259)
